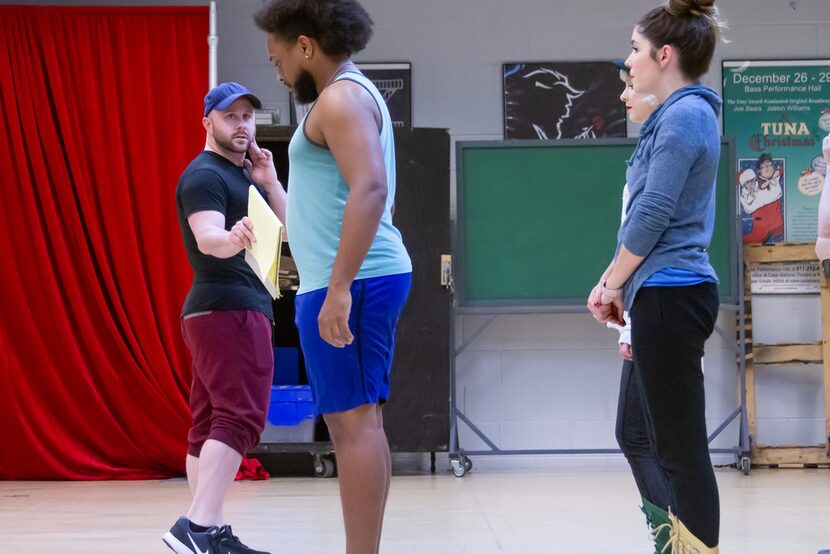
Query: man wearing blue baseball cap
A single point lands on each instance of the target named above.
(221, 97)
(227, 315)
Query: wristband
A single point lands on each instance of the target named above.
(610, 293)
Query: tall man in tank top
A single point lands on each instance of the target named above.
(354, 269)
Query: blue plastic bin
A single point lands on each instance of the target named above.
(290, 404)
(290, 415)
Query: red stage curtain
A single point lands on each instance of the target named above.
(100, 112)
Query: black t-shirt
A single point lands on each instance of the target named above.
(213, 183)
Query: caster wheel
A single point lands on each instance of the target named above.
(468, 464)
(745, 465)
(324, 467)
(458, 467)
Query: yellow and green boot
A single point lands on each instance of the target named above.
(682, 541)
(658, 524)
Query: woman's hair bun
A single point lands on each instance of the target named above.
(696, 8)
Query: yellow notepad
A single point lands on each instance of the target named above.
(264, 254)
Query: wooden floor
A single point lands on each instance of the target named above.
(535, 511)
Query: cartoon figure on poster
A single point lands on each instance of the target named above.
(543, 87)
(761, 185)
(811, 180)
(562, 100)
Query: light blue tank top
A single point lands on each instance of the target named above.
(317, 196)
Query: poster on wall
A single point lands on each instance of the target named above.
(786, 278)
(296, 110)
(394, 81)
(562, 100)
(779, 113)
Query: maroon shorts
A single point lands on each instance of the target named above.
(233, 366)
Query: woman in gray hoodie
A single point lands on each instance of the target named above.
(661, 272)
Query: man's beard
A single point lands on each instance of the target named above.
(305, 89)
(228, 144)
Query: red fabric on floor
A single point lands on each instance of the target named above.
(251, 470)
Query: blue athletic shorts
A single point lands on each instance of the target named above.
(345, 378)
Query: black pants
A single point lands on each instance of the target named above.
(633, 438)
(670, 327)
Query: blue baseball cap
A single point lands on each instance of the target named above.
(224, 94)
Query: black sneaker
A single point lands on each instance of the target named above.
(182, 539)
(228, 543)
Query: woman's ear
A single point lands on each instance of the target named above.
(665, 55)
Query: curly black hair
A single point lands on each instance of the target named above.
(339, 26)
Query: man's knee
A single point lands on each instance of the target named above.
(343, 425)
(240, 434)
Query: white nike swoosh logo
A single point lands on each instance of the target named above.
(196, 546)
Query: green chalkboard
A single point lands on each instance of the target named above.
(537, 221)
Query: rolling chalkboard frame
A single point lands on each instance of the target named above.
(731, 300)
(570, 304)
